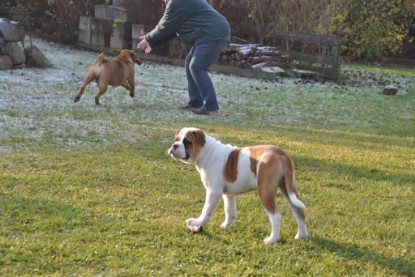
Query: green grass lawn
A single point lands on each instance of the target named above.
(88, 190)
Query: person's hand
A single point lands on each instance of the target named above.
(145, 45)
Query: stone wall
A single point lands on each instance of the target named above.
(12, 55)
(113, 27)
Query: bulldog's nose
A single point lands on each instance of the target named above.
(172, 148)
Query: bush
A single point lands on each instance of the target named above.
(55, 19)
(368, 29)
(374, 29)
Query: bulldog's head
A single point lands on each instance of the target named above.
(127, 55)
(187, 144)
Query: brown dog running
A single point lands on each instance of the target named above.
(116, 72)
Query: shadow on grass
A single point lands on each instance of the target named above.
(211, 236)
(357, 172)
(400, 265)
(359, 140)
(53, 216)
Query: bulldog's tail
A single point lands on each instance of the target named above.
(296, 201)
(290, 186)
(102, 58)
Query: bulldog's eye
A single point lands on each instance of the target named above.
(187, 142)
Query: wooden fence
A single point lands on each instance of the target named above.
(111, 28)
(312, 52)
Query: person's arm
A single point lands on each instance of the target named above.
(173, 17)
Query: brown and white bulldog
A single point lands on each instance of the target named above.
(227, 170)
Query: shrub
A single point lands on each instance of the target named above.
(368, 29)
(373, 29)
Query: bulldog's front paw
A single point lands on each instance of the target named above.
(271, 240)
(193, 222)
(301, 236)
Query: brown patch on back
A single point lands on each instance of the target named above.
(254, 164)
(256, 152)
(231, 167)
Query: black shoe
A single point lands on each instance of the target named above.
(189, 107)
(204, 111)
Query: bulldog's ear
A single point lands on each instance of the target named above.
(200, 137)
(177, 132)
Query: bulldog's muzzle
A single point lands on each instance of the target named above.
(175, 153)
(171, 149)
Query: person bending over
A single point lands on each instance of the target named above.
(201, 26)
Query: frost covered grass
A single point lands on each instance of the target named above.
(87, 190)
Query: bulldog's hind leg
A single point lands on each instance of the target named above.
(267, 184)
(297, 207)
(129, 85)
(299, 214)
(275, 219)
(267, 197)
(132, 87)
(102, 90)
(86, 80)
(126, 85)
(80, 92)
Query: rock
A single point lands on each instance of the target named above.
(119, 3)
(2, 51)
(11, 30)
(35, 57)
(390, 90)
(306, 74)
(273, 69)
(5, 62)
(15, 52)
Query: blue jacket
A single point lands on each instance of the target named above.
(195, 21)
